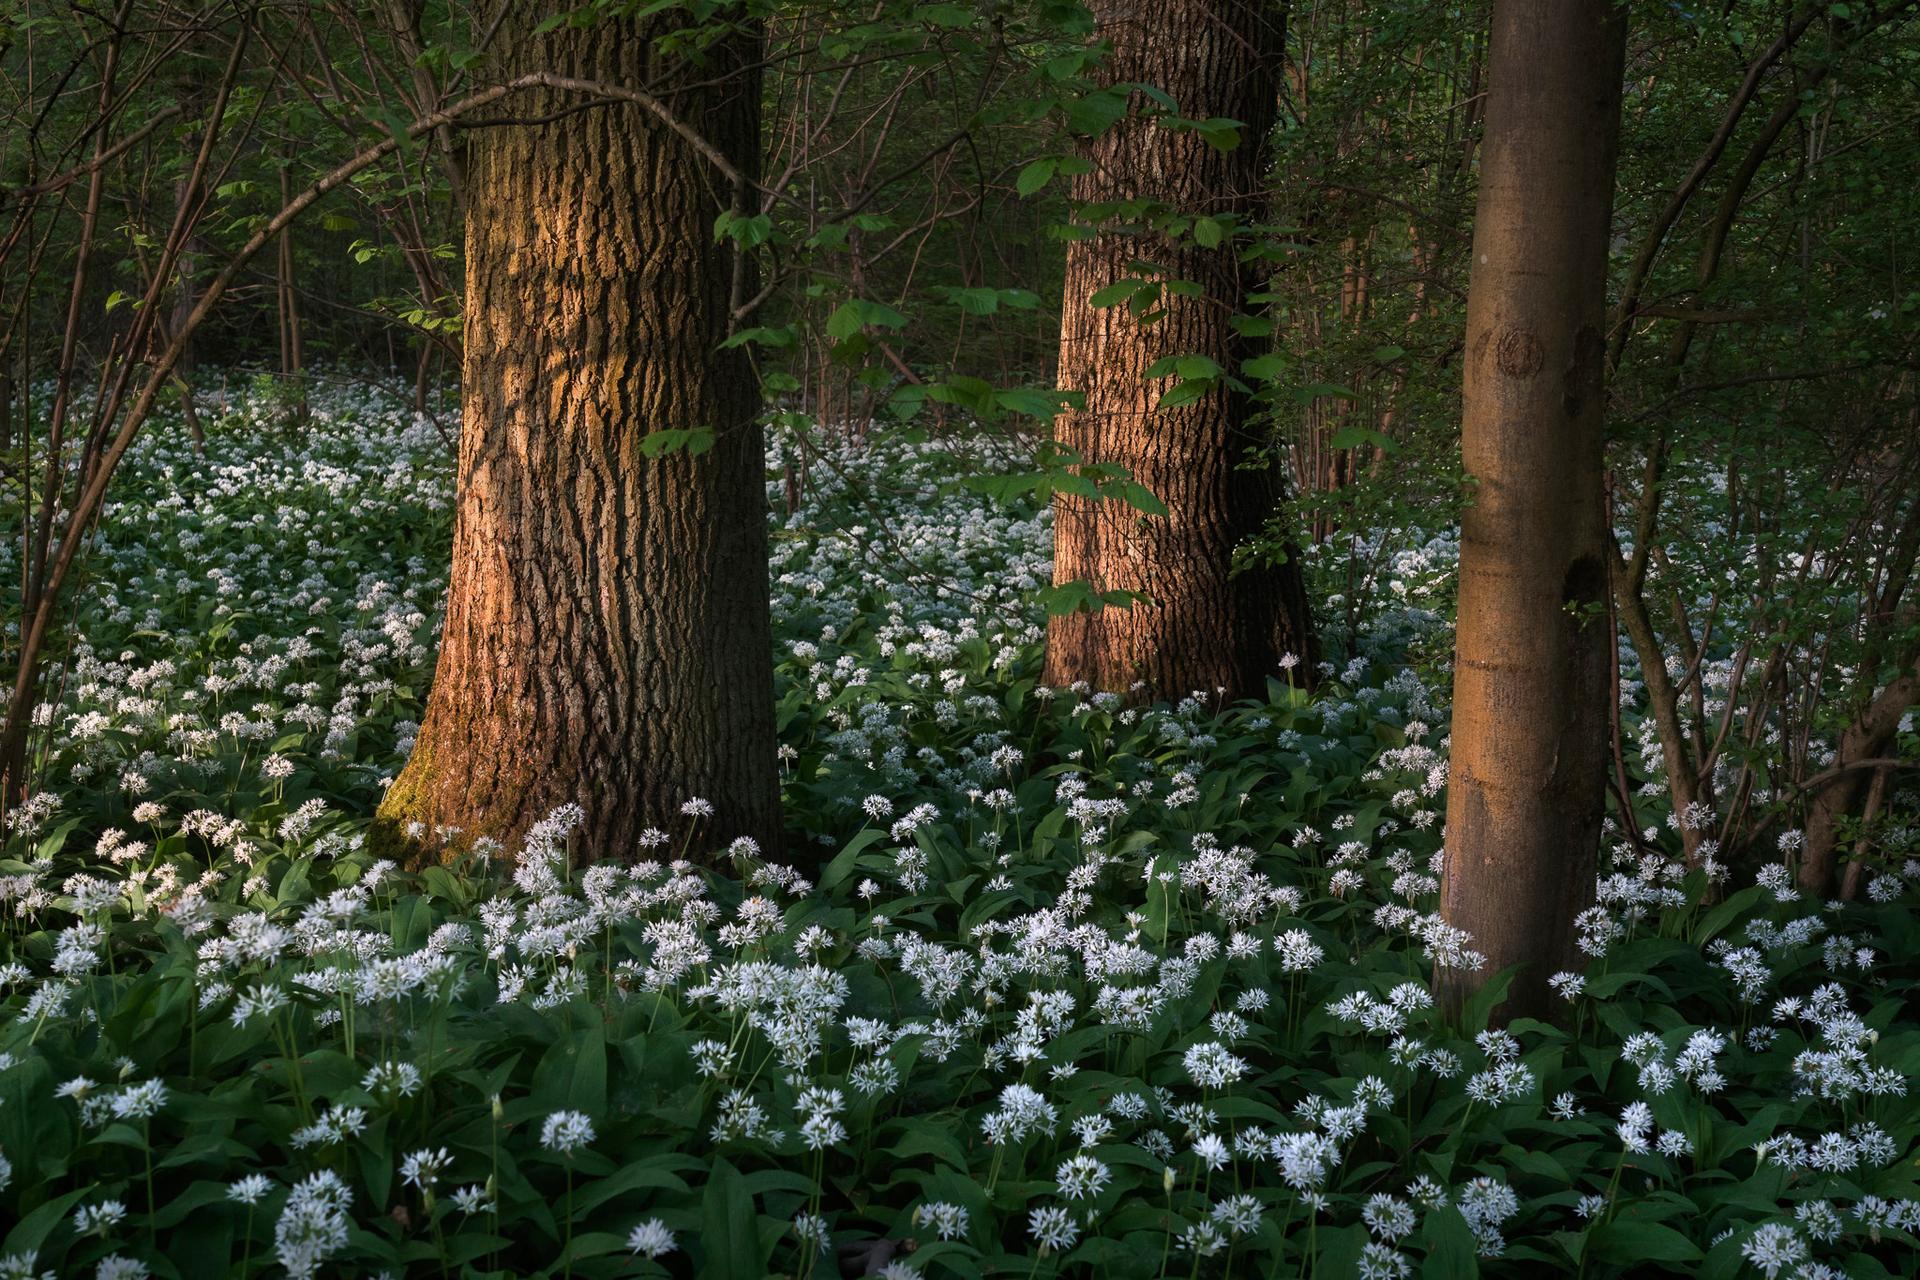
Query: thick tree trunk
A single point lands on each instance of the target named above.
(607, 639)
(1201, 626)
(1530, 677)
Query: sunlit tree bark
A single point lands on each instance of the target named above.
(607, 639)
(1198, 625)
(1530, 677)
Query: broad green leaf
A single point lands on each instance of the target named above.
(858, 313)
(1185, 393)
(1036, 175)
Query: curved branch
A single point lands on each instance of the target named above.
(51, 185)
(1656, 235)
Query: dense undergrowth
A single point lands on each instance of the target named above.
(1055, 986)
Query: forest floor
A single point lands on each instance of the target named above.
(1051, 986)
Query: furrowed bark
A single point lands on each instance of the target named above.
(1200, 627)
(607, 639)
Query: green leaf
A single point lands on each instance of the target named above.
(975, 302)
(1480, 1006)
(1036, 175)
(923, 1139)
(1736, 906)
(652, 1174)
(1116, 293)
(858, 313)
(56, 839)
(843, 862)
(572, 1076)
(1452, 1252)
(1094, 113)
(692, 441)
(1354, 437)
(1185, 393)
(31, 1231)
(778, 337)
(1606, 985)
(1158, 96)
(748, 232)
(1217, 132)
(1141, 498)
(1630, 1240)
(731, 1231)
(1341, 1249)
(1079, 597)
(951, 16)
(1032, 402)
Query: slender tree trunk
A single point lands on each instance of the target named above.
(1201, 626)
(192, 415)
(291, 361)
(1530, 677)
(1687, 784)
(187, 296)
(1857, 865)
(607, 639)
(404, 19)
(423, 376)
(1867, 737)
